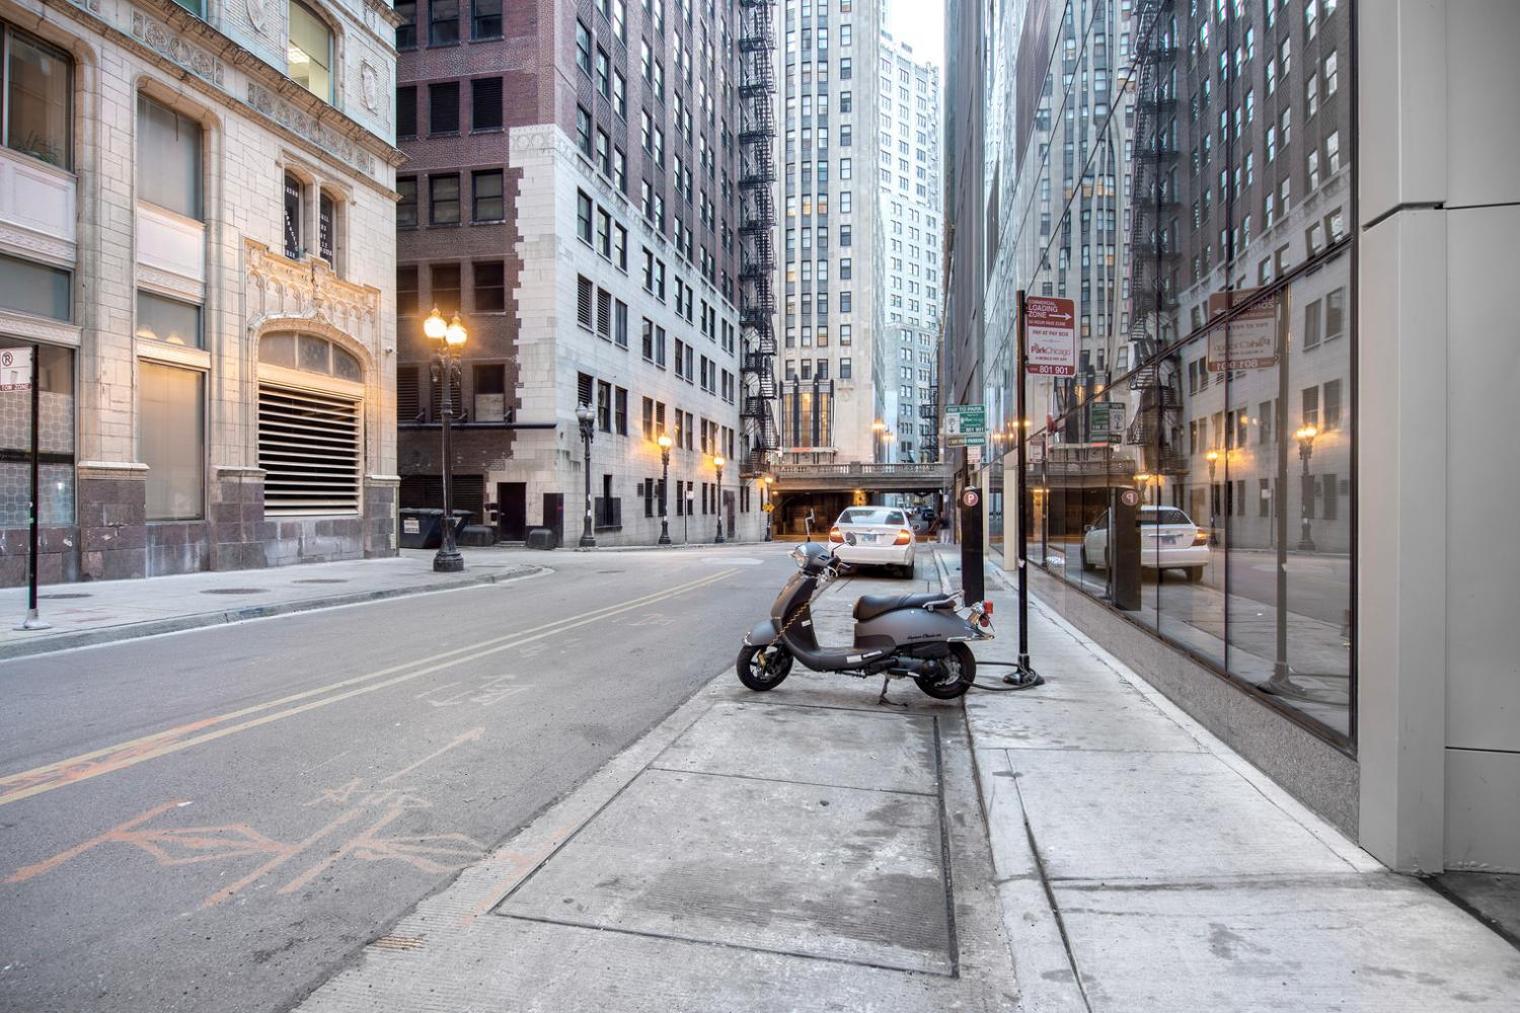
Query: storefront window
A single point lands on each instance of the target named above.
(1195, 473)
(171, 440)
(55, 441)
(36, 110)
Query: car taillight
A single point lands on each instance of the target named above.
(904, 536)
(835, 536)
(1201, 538)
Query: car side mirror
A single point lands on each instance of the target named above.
(1086, 528)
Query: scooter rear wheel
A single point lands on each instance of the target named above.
(763, 668)
(959, 674)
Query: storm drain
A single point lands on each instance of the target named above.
(65, 595)
(394, 942)
(235, 590)
(321, 580)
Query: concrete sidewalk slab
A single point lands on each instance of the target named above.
(100, 612)
(1138, 874)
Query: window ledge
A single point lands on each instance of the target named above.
(179, 355)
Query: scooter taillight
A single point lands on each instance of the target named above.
(835, 536)
(987, 607)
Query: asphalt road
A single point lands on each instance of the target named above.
(218, 820)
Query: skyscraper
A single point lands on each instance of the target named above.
(573, 190)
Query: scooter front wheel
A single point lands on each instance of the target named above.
(958, 675)
(763, 667)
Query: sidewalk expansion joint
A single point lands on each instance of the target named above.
(783, 780)
(1050, 898)
(646, 934)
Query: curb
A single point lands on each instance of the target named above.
(177, 624)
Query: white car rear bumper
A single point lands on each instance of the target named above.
(875, 555)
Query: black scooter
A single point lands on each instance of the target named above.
(918, 635)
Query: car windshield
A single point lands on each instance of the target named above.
(871, 515)
(1163, 515)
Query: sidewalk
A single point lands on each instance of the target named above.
(97, 612)
(1143, 866)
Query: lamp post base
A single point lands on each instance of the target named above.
(1306, 545)
(587, 542)
(664, 532)
(448, 561)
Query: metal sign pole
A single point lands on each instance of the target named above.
(32, 620)
(1023, 674)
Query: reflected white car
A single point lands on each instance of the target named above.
(883, 537)
(1169, 540)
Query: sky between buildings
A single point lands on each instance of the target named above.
(921, 24)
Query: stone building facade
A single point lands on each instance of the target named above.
(197, 213)
(570, 191)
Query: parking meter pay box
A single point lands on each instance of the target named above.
(1124, 548)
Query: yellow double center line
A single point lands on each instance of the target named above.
(15, 787)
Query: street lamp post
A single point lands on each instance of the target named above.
(718, 463)
(665, 443)
(1306, 435)
(451, 337)
(1213, 458)
(584, 414)
(765, 503)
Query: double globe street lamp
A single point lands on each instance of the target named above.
(665, 443)
(585, 415)
(1305, 436)
(450, 337)
(718, 463)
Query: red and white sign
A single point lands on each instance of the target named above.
(1050, 333)
(15, 369)
(1249, 341)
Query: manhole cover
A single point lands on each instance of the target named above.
(235, 590)
(65, 594)
(321, 580)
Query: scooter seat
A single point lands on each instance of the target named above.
(872, 605)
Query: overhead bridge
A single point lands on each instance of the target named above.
(861, 477)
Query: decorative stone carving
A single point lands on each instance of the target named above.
(369, 86)
(258, 14)
(307, 126)
(307, 290)
(162, 40)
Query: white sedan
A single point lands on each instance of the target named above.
(1169, 540)
(882, 537)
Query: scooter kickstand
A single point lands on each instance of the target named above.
(886, 681)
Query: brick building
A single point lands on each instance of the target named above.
(197, 232)
(571, 191)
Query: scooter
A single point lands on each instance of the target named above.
(922, 636)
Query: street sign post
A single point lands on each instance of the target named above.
(1024, 676)
(1050, 330)
(1248, 341)
(1105, 421)
(19, 372)
(965, 425)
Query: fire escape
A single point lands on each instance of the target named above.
(929, 412)
(757, 219)
(1156, 424)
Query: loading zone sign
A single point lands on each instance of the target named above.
(15, 369)
(1050, 333)
(1249, 341)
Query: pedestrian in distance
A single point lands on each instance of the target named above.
(945, 537)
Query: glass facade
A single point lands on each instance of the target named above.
(1181, 171)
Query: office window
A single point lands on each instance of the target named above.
(486, 104)
(490, 205)
(620, 323)
(160, 318)
(327, 228)
(406, 32)
(310, 55)
(1330, 408)
(445, 279)
(1335, 314)
(443, 108)
(406, 206)
(406, 111)
(295, 202)
(406, 290)
(583, 206)
(584, 300)
(486, 20)
(168, 158)
(583, 47)
(443, 22)
(490, 287)
(443, 200)
(583, 130)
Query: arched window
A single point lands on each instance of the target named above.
(310, 53)
(311, 445)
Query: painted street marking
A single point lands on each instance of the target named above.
(473, 735)
(25, 784)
